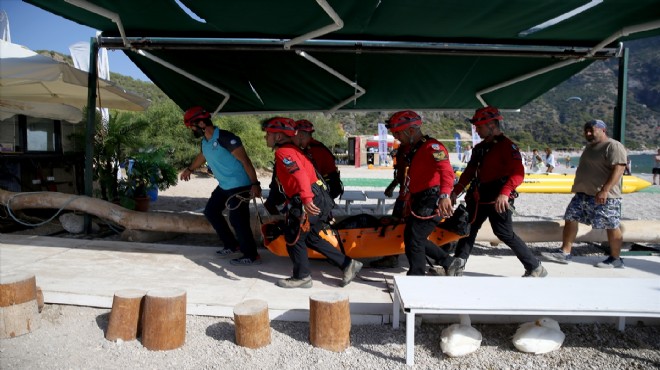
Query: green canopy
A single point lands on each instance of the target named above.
(245, 56)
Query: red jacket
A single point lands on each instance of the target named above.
(321, 157)
(295, 172)
(502, 159)
(430, 167)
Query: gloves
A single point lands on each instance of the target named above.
(389, 191)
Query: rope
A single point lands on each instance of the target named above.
(241, 199)
(8, 206)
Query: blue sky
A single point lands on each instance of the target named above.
(40, 30)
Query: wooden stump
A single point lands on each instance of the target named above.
(329, 321)
(252, 324)
(19, 311)
(164, 319)
(124, 322)
(40, 299)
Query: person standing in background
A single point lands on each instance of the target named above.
(467, 154)
(597, 199)
(550, 162)
(536, 162)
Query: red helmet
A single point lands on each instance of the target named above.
(195, 114)
(304, 125)
(402, 120)
(287, 126)
(485, 115)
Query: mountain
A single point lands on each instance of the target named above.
(556, 117)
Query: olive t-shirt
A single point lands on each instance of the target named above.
(596, 165)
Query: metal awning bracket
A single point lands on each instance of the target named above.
(337, 24)
(360, 90)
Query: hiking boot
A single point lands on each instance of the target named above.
(292, 282)
(436, 271)
(229, 253)
(386, 262)
(246, 261)
(558, 256)
(456, 267)
(610, 263)
(537, 272)
(351, 271)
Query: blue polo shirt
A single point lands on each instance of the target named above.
(226, 168)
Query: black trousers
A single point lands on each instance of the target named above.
(418, 246)
(502, 225)
(239, 217)
(312, 240)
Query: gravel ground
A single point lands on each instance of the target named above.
(72, 337)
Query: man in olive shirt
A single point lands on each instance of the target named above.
(597, 200)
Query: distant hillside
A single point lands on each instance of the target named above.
(554, 119)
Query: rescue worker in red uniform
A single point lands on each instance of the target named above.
(321, 157)
(309, 206)
(493, 173)
(430, 180)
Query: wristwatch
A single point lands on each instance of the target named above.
(444, 196)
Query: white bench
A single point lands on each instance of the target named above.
(617, 297)
(381, 198)
(350, 196)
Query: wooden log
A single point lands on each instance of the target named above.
(164, 319)
(169, 222)
(329, 321)
(19, 311)
(161, 221)
(124, 322)
(252, 324)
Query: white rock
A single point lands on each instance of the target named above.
(540, 336)
(460, 339)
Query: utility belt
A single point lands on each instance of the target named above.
(486, 193)
(424, 204)
(297, 221)
(335, 185)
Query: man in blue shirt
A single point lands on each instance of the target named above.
(237, 184)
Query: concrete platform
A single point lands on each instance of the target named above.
(88, 272)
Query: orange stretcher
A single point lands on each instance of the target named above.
(384, 239)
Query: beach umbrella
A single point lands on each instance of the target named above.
(40, 86)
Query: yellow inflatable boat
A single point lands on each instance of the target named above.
(563, 182)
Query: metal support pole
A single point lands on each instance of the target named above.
(91, 124)
(620, 110)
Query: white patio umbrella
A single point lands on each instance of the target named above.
(40, 86)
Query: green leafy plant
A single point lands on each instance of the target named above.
(150, 170)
